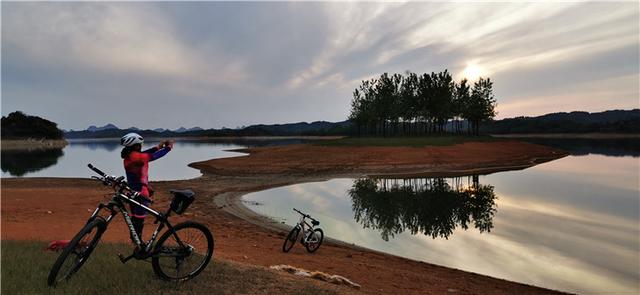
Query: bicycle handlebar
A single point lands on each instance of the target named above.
(96, 170)
(112, 180)
(305, 215)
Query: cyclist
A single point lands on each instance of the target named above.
(136, 166)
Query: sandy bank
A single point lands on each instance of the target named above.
(461, 159)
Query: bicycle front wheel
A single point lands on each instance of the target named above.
(314, 240)
(290, 239)
(77, 252)
(183, 253)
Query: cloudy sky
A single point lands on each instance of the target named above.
(232, 64)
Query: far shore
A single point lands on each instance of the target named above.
(32, 144)
(569, 135)
(31, 204)
(214, 138)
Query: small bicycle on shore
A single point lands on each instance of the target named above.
(311, 236)
(180, 254)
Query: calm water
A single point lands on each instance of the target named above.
(571, 224)
(105, 154)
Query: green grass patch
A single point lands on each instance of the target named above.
(26, 266)
(405, 141)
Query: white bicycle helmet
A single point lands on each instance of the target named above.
(130, 139)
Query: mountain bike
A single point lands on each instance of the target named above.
(311, 236)
(180, 254)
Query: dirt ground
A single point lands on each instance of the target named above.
(56, 208)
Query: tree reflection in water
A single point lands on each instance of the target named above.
(433, 206)
(21, 162)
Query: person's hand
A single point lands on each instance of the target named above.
(169, 144)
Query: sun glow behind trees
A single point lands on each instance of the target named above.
(472, 72)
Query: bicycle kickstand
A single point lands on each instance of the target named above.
(125, 259)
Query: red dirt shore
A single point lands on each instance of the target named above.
(55, 208)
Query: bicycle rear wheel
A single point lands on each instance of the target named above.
(184, 257)
(77, 252)
(290, 239)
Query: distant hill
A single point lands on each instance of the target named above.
(18, 125)
(301, 128)
(614, 121)
(182, 129)
(105, 127)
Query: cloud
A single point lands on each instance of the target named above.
(232, 64)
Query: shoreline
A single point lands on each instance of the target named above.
(245, 236)
(32, 144)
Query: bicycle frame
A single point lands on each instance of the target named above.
(115, 205)
(302, 223)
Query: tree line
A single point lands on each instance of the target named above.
(421, 104)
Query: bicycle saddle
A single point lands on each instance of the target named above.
(185, 193)
(315, 222)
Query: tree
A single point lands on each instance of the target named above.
(481, 105)
(461, 99)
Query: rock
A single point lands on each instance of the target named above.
(49, 212)
(318, 275)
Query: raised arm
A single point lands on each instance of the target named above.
(158, 153)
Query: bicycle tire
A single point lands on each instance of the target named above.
(86, 247)
(168, 247)
(291, 237)
(312, 247)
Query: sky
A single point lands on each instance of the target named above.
(215, 64)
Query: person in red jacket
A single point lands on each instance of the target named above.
(136, 167)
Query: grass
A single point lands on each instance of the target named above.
(405, 141)
(25, 267)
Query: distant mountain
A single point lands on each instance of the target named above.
(301, 128)
(614, 121)
(195, 129)
(93, 128)
(182, 129)
(586, 117)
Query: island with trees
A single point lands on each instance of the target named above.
(20, 131)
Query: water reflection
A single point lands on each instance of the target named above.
(431, 206)
(616, 147)
(108, 146)
(105, 153)
(21, 162)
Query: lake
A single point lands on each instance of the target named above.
(570, 224)
(105, 154)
